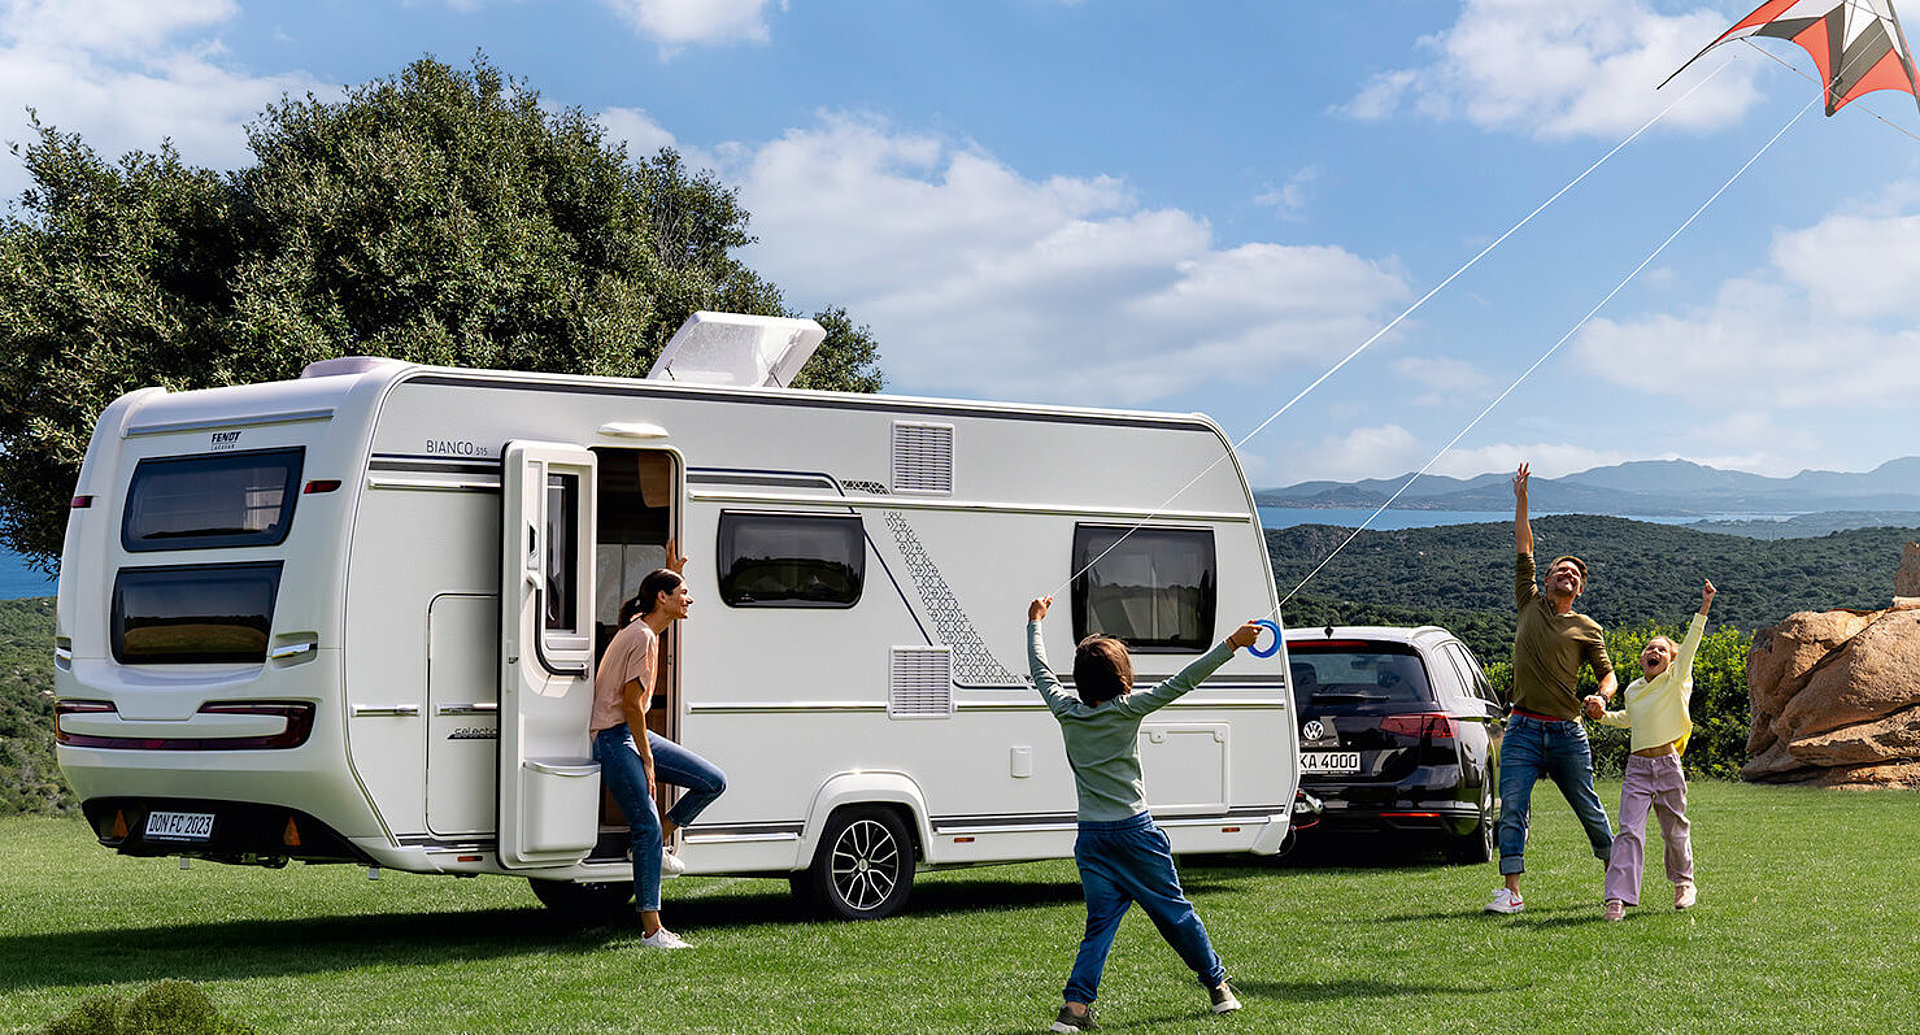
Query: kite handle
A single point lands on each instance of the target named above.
(1270, 651)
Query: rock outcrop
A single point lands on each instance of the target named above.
(1836, 694)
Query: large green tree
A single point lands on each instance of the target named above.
(439, 216)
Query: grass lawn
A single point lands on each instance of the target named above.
(1809, 921)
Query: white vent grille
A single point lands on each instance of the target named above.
(923, 458)
(920, 683)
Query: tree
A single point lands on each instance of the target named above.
(437, 216)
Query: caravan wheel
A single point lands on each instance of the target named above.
(864, 865)
(584, 902)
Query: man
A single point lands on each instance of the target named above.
(1551, 641)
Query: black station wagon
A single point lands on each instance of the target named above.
(1399, 732)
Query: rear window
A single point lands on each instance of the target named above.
(221, 499)
(198, 613)
(1348, 672)
(1150, 587)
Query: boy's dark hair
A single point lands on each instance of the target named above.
(658, 581)
(1102, 669)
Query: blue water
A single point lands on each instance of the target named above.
(17, 580)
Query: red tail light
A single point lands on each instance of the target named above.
(1429, 725)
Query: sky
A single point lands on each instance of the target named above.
(1199, 206)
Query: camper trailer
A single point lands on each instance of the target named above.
(353, 617)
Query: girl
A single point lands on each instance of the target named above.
(1657, 714)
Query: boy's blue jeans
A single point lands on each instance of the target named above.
(620, 767)
(1122, 862)
(1557, 749)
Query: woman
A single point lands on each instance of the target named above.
(633, 763)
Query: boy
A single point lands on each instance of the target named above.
(1122, 855)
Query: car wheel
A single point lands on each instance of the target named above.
(584, 902)
(1477, 845)
(863, 867)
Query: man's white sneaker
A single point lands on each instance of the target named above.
(1683, 895)
(1616, 909)
(664, 939)
(1505, 901)
(670, 864)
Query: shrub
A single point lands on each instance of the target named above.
(168, 1008)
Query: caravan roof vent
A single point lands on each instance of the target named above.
(737, 349)
(346, 365)
(920, 683)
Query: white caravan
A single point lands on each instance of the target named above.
(354, 617)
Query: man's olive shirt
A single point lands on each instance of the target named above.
(1548, 650)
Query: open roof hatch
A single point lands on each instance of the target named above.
(737, 349)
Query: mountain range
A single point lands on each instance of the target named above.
(1655, 488)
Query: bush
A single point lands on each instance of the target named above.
(1722, 711)
(168, 1008)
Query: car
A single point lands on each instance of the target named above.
(1399, 733)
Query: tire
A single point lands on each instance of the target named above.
(583, 902)
(1479, 844)
(863, 868)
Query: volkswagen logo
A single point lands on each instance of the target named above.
(1313, 730)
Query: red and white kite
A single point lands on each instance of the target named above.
(1858, 44)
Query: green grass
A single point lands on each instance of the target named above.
(1809, 921)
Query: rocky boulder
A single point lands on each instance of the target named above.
(1836, 696)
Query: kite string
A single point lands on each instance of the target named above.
(1802, 73)
(1390, 325)
(1555, 347)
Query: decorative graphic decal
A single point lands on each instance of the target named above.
(973, 663)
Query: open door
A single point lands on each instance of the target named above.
(549, 783)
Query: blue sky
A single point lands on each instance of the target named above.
(1197, 206)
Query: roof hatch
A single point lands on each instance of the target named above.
(737, 349)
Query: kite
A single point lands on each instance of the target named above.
(1858, 44)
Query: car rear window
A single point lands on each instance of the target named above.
(196, 613)
(211, 500)
(1352, 672)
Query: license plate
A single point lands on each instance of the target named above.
(179, 826)
(1332, 762)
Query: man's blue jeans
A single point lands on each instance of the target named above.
(1533, 747)
(620, 767)
(1127, 861)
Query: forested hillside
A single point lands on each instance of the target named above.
(1461, 576)
(29, 780)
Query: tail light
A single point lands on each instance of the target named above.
(1423, 725)
(299, 727)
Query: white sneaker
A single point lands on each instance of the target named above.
(664, 939)
(670, 864)
(1616, 909)
(1505, 901)
(1683, 895)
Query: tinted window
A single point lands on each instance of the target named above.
(194, 614)
(787, 560)
(1477, 683)
(1350, 672)
(222, 499)
(563, 552)
(1151, 587)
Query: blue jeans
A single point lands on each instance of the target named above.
(620, 767)
(1127, 861)
(1558, 749)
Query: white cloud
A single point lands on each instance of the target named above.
(1828, 323)
(678, 23)
(1446, 382)
(978, 279)
(1389, 451)
(1290, 198)
(1565, 68)
(635, 128)
(127, 74)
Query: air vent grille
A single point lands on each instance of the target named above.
(920, 683)
(923, 458)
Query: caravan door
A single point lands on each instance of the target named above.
(549, 783)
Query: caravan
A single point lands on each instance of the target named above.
(354, 617)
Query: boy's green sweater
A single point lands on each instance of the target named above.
(1103, 741)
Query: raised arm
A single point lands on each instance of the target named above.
(1057, 698)
(1522, 525)
(1696, 630)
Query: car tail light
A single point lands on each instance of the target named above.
(1426, 725)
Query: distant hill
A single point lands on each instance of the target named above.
(1662, 488)
(1461, 576)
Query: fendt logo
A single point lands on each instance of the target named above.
(225, 439)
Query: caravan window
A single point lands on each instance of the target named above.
(221, 499)
(199, 613)
(1151, 587)
(791, 560)
(562, 565)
